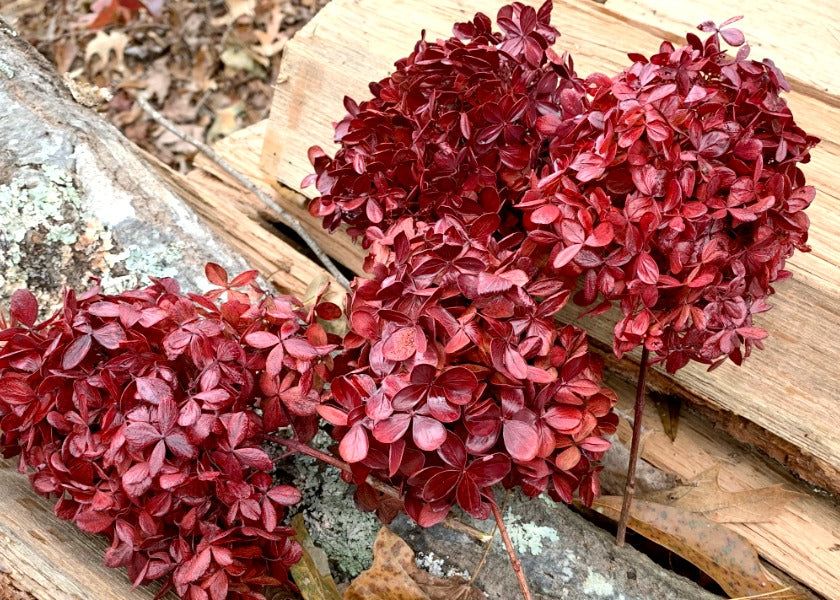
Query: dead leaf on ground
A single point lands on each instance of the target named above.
(704, 495)
(102, 47)
(225, 121)
(158, 81)
(271, 41)
(204, 65)
(312, 573)
(668, 406)
(66, 51)
(175, 144)
(394, 576)
(722, 554)
(236, 9)
(236, 58)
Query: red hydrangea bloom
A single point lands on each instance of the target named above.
(676, 193)
(455, 375)
(137, 412)
(452, 130)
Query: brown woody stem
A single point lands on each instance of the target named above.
(635, 442)
(514, 560)
(380, 486)
(488, 544)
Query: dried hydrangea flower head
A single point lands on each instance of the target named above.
(678, 195)
(451, 131)
(455, 377)
(138, 413)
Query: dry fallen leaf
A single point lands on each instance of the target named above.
(271, 41)
(312, 573)
(722, 554)
(66, 51)
(101, 47)
(704, 495)
(236, 58)
(204, 64)
(668, 406)
(157, 81)
(236, 9)
(394, 576)
(226, 121)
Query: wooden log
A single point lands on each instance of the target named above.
(242, 151)
(76, 201)
(789, 390)
(801, 36)
(49, 559)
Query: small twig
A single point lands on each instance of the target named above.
(514, 560)
(450, 522)
(638, 417)
(488, 544)
(287, 218)
(380, 486)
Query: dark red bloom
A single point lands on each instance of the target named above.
(677, 194)
(137, 411)
(455, 375)
(452, 131)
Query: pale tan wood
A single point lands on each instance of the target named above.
(49, 558)
(242, 151)
(219, 206)
(801, 540)
(790, 389)
(802, 35)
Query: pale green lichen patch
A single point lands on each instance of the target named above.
(50, 238)
(529, 537)
(598, 586)
(331, 517)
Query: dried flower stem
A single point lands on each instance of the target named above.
(281, 212)
(489, 543)
(514, 560)
(638, 417)
(380, 486)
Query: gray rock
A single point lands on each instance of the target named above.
(77, 201)
(563, 556)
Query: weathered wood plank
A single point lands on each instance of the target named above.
(804, 35)
(49, 558)
(242, 151)
(799, 540)
(789, 390)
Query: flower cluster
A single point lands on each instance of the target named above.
(456, 377)
(451, 131)
(678, 195)
(138, 413)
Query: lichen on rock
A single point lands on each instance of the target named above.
(335, 524)
(51, 239)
